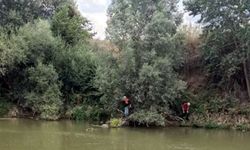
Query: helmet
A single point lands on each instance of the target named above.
(188, 104)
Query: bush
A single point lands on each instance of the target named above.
(78, 113)
(4, 107)
(91, 113)
(12, 52)
(107, 81)
(76, 69)
(71, 26)
(115, 122)
(243, 127)
(147, 118)
(43, 93)
(211, 125)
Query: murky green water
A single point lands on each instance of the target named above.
(67, 135)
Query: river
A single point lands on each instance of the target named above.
(21, 134)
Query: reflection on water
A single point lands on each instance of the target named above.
(19, 134)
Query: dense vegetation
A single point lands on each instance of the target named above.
(51, 67)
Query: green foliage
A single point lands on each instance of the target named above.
(4, 107)
(226, 37)
(15, 13)
(78, 113)
(220, 105)
(70, 25)
(243, 127)
(115, 122)
(146, 34)
(86, 112)
(41, 45)
(43, 93)
(147, 118)
(209, 101)
(38, 71)
(158, 85)
(77, 67)
(30, 78)
(211, 125)
(13, 51)
(107, 81)
(225, 51)
(245, 110)
(130, 18)
(33, 43)
(46, 58)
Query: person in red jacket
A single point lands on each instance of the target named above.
(185, 110)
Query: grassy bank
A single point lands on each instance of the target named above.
(220, 121)
(214, 125)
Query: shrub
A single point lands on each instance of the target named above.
(211, 125)
(43, 93)
(71, 26)
(4, 107)
(86, 112)
(78, 113)
(115, 122)
(147, 118)
(243, 127)
(76, 69)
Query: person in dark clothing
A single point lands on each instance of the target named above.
(126, 105)
(185, 110)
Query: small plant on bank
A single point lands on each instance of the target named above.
(211, 125)
(243, 127)
(78, 113)
(115, 122)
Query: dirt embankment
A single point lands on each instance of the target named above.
(237, 117)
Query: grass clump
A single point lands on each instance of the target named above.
(115, 122)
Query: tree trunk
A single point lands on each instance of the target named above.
(246, 78)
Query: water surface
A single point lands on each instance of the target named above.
(19, 134)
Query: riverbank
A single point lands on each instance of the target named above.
(204, 123)
(235, 120)
(201, 125)
(222, 121)
(217, 125)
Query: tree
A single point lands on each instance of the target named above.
(146, 33)
(132, 21)
(226, 40)
(39, 72)
(129, 18)
(13, 51)
(107, 81)
(70, 25)
(76, 68)
(43, 94)
(15, 13)
(75, 62)
(30, 53)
